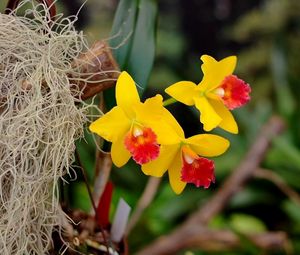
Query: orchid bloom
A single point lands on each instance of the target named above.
(217, 93)
(135, 129)
(185, 158)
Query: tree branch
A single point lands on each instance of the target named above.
(222, 240)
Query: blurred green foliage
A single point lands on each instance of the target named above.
(266, 39)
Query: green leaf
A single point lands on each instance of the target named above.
(123, 29)
(133, 38)
(288, 150)
(121, 40)
(141, 57)
(246, 224)
(285, 100)
(292, 210)
(250, 196)
(80, 198)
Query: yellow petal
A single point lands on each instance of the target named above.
(215, 71)
(111, 125)
(166, 135)
(175, 174)
(152, 114)
(167, 129)
(126, 93)
(228, 123)
(160, 165)
(182, 91)
(208, 116)
(150, 110)
(208, 145)
(119, 154)
(169, 118)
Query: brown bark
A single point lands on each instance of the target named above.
(97, 70)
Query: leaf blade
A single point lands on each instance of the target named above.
(141, 57)
(123, 29)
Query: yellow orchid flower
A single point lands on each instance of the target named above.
(184, 160)
(217, 93)
(135, 129)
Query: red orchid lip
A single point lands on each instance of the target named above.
(197, 170)
(235, 92)
(142, 144)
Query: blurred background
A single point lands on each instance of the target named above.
(265, 35)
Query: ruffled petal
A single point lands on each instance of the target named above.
(159, 166)
(175, 174)
(199, 172)
(208, 116)
(142, 144)
(208, 145)
(111, 125)
(228, 123)
(182, 91)
(236, 92)
(215, 71)
(126, 94)
(119, 154)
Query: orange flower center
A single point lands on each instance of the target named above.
(142, 144)
(234, 92)
(197, 170)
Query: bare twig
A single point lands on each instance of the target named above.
(222, 240)
(103, 169)
(173, 242)
(279, 182)
(144, 201)
(103, 163)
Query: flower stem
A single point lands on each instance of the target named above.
(169, 101)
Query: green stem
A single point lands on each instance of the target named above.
(169, 101)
